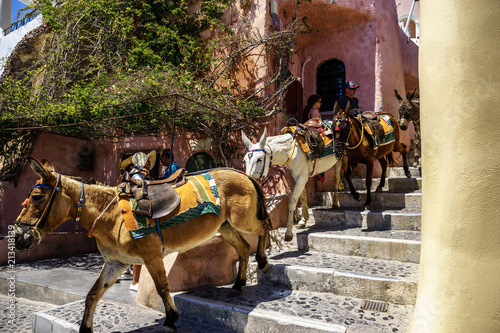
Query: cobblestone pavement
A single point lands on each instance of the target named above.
(22, 311)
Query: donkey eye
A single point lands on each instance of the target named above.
(37, 197)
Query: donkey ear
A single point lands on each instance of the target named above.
(397, 95)
(38, 167)
(48, 165)
(263, 138)
(413, 94)
(246, 140)
(335, 108)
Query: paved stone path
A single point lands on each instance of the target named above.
(23, 314)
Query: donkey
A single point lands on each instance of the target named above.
(55, 198)
(360, 150)
(285, 150)
(409, 110)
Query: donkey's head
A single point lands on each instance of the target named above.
(257, 159)
(45, 208)
(406, 107)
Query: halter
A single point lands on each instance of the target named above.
(340, 147)
(43, 219)
(250, 154)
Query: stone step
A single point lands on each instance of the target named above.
(396, 245)
(112, 317)
(381, 200)
(391, 184)
(350, 276)
(401, 219)
(416, 172)
(261, 308)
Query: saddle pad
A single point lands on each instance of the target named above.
(303, 144)
(199, 195)
(385, 121)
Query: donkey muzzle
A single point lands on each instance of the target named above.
(25, 238)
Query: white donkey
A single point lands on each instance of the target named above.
(285, 150)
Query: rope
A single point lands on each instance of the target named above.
(97, 219)
(360, 140)
(293, 150)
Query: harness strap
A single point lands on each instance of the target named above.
(41, 221)
(360, 140)
(79, 209)
(293, 149)
(314, 166)
(157, 222)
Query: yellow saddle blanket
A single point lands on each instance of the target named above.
(385, 121)
(199, 195)
(302, 141)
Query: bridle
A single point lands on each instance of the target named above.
(250, 155)
(42, 220)
(341, 147)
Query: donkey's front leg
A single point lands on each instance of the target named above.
(336, 183)
(305, 210)
(155, 267)
(110, 271)
(300, 183)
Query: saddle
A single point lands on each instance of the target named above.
(155, 198)
(372, 120)
(310, 130)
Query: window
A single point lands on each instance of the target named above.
(200, 161)
(413, 27)
(330, 82)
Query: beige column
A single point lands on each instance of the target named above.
(5, 15)
(459, 284)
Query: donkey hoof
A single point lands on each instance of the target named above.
(367, 207)
(379, 189)
(408, 173)
(356, 196)
(169, 329)
(288, 238)
(301, 224)
(264, 269)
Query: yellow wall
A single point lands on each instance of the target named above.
(459, 285)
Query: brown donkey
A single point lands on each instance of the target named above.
(55, 198)
(360, 150)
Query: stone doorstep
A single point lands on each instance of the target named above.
(380, 200)
(387, 219)
(404, 250)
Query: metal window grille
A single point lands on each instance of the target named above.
(330, 82)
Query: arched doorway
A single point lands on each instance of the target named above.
(330, 82)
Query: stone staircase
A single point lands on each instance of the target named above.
(337, 273)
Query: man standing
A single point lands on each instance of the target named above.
(350, 92)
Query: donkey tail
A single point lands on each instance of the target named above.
(390, 159)
(262, 214)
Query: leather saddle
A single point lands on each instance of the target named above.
(155, 198)
(311, 131)
(373, 121)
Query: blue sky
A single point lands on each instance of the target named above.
(16, 5)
